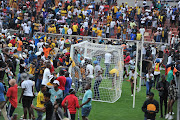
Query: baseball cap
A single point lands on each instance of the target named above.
(56, 82)
(95, 62)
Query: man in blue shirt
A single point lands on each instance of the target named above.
(118, 14)
(68, 84)
(2, 100)
(86, 102)
(133, 36)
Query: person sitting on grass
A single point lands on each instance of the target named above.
(48, 106)
(150, 107)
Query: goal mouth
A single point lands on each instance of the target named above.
(107, 64)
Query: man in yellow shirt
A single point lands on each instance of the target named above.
(50, 29)
(118, 32)
(138, 36)
(63, 12)
(40, 101)
(99, 32)
(65, 29)
(94, 31)
(75, 28)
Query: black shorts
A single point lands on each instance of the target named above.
(27, 101)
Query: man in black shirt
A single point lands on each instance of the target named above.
(162, 87)
(48, 106)
(3, 67)
(150, 107)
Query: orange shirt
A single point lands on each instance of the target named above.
(19, 45)
(46, 51)
(174, 71)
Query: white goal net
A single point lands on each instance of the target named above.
(98, 64)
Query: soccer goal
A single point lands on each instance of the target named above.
(106, 80)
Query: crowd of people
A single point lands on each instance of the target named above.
(39, 65)
(92, 19)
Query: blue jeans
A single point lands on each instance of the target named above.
(124, 36)
(93, 34)
(148, 87)
(107, 70)
(111, 31)
(19, 78)
(40, 115)
(77, 85)
(38, 83)
(85, 111)
(158, 38)
(96, 87)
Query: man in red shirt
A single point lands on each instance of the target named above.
(12, 94)
(71, 102)
(106, 9)
(13, 41)
(126, 63)
(62, 80)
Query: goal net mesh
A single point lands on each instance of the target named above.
(98, 64)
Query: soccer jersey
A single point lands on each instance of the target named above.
(40, 98)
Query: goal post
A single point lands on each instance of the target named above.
(107, 62)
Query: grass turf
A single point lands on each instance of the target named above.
(120, 110)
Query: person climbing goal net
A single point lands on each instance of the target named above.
(98, 64)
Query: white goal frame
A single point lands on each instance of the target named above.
(108, 48)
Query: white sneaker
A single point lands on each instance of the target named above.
(170, 117)
(172, 113)
(167, 116)
(132, 95)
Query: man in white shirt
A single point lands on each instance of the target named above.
(153, 49)
(40, 45)
(46, 75)
(112, 24)
(26, 29)
(27, 94)
(89, 72)
(107, 62)
(61, 44)
(142, 30)
(69, 31)
(4, 30)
